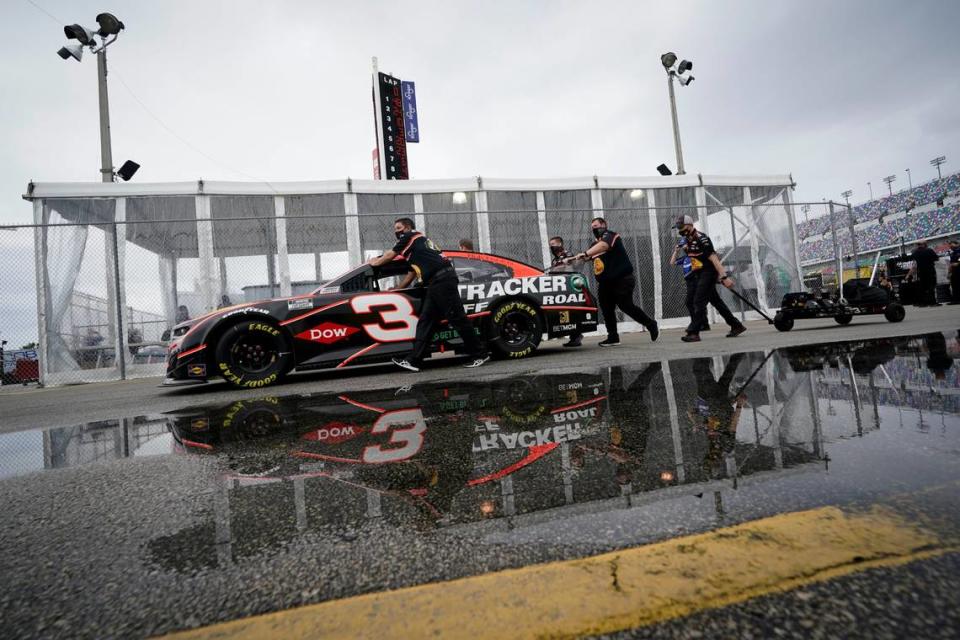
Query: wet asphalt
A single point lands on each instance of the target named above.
(229, 506)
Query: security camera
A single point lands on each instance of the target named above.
(74, 51)
(685, 80)
(685, 65)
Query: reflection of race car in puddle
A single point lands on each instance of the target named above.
(424, 445)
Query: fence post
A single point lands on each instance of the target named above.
(354, 251)
(205, 252)
(418, 218)
(700, 196)
(655, 252)
(544, 234)
(788, 202)
(283, 254)
(836, 251)
(43, 301)
(483, 221)
(120, 341)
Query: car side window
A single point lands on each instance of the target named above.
(360, 282)
(469, 270)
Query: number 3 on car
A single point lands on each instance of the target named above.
(400, 311)
(410, 437)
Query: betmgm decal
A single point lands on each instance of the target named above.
(553, 290)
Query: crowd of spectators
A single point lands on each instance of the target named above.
(910, 228)
(908, 199)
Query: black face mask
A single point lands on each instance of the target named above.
(683, 232)
(599, 231)
(399, 234)
(556, 250)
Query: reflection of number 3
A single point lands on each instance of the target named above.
(401, 311)
(410, 438)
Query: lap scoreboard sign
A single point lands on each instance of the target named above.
(391, 136)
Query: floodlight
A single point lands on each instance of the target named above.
(664, 170)
(459, 197)
(109, 25)
(75, 32)
(685, 80)
(74, 51)
(668, 60)
(127, 169)
(636, 194)
(685, 65)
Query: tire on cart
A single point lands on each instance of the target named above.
(515, 329)
(782, 322)
(253, 354)
(843, 318)
(894, 312)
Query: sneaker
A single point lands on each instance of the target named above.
(405, 364)
(691, 337)
(574, 341)
(476, 362)
(654, 332)
(612, 341)
(735, 331)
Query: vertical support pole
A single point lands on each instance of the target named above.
(733, 233)
(755, 264)
(655, 252)
(43, 294)
(283, 256)
(542, 224)
(116, 269)
(674, 423)
(791, 214)
(836, 252)
(418, 218)
(676, 125)
(775, 414)
(815, 412)
(300, 503)
(208, 268)
(483, 221)
(167, 265)
(106, 152)
(700, 194)
(354, 250)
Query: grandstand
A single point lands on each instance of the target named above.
(929, 210)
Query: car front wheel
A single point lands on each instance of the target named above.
(252, 354)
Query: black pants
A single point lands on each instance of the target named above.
(618, 293)
(928, 288)
(701, 291)
(955, 284)
(442, 302)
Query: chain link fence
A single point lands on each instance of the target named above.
(97, 276)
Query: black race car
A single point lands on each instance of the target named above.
(357, 319)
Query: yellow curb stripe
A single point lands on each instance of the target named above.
(613, 591)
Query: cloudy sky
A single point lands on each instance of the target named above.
(836, 93)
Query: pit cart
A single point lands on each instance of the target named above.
(858, 299)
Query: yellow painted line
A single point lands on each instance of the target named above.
(613, 591)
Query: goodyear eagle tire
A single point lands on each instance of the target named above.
(253, 353)
(515, 329)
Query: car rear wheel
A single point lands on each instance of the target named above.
(783, 322)
(253, 354)
(515, 329)
(894, 312)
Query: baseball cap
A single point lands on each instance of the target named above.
(682, 220)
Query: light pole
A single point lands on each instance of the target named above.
(110, 27)
(870, 186)
(890, 180)
(668, 60)
(909, 179)
(939, 160)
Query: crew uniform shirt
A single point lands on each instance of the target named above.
(925, 259)
(615, 263)
(699, 248)
(955, 257)
(424, 257)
